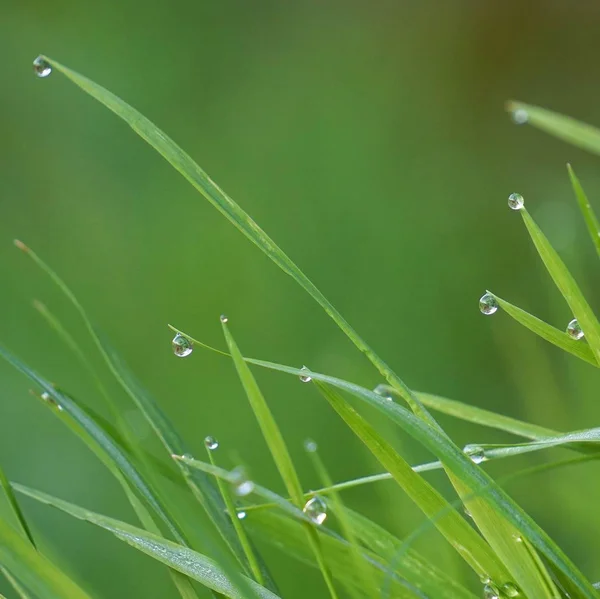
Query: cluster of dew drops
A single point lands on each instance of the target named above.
(505, 591)
(488, 304)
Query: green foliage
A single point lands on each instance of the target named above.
(507, 550)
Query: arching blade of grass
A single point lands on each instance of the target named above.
(411, 578)
(277, 446)
(40, 575)
(181, 558)
(112, 456)
(444, 405)
(182, 162)
(471, 547)
(542, 329)
(201, 486)
(566, 284)
(455, 460)
(563, 127)
(586, 209)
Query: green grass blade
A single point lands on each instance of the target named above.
(454, 459)
(182, 162)
(40, 575)
(457, 531)
(566, 284)
(14, 509)
(200, 485)
(563, 127)
(559, 338)
(586, 209)
(15, 584)
(237, 525)
(181, 558)
(410, 579)
(276, 444)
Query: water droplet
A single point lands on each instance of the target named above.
(223, 318)
(242, 485)
(510, 589)
(518, 538)
(49, 399)
(384, 391)
(310, 445)
(211, 443)
(241, 515)
(305, 378)
(520, 116)
(468, 513)
(475, 452)
(316, 510)
(574, 330)
(488, 304)
(41, 67)
(490, 591)
(516, 201)
(182, 346)
(46, 396)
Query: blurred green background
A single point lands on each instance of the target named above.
(370, 140)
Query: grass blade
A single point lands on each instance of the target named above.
(470, 546)
(181, 558)
(566, 284)
(563, 127)
(15, 509)
(15, 584)
(183, 163)
(276, 444)
(548, 332)
(586, 209)
(40, 575)
(200, 485)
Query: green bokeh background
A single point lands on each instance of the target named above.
(370, 140)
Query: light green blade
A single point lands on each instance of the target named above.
(563, 127)
(566, 284)
(181, 558)
(559, 338)
(457, 531)
(589, 216)
(16, 585)
(38, 573)
(277, 446)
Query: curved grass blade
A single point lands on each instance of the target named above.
(566, 284)
(15, 584)
(38, 573)
(201, 486)
(437, 403)
(455, 460)
(14, 508)
(586, 209)
(183, 163)
(181, 558)
(548, 332)
(277, 446)
(412, 577)
(563, 127)
(470, 546)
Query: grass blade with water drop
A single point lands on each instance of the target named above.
(276, 444)
(175, 556)
(32, 569)
(586, 209)
(566, 284)
(563, 127)
(548, 332)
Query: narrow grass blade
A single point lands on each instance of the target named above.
(563, 127)
(201, 486)
(237, 524)
(559, 338)
(181, 558)
(411, 578)
(566, 284)
(586, 209)
(40, 575)
(456, 461)
(14, 508)
(470, 546)
(182, 162)
(276, 444)
(15, 584)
